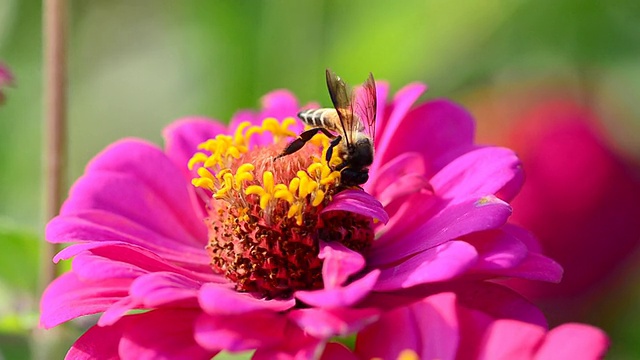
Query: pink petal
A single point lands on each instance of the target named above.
(535, 267)
(279, 104)
(327, 323)
(497, 250)
(135, 180)
(465, 177)
(382, 92)
(68, 297)
(505, 252)
(440, 263)
(497, 301)
(359, 202)
(97, 343)
(295, 345)
(454, 221)
(450, 129)
(103, 228)
(387, 127)
(216, 299)
(240, 332)
(478, 172)
(165, 289)
(401, 176)
(428, 327)
(524, 235)
(118, 310)
(93, 267)
(182, 137)
(159, 289)
(346, 296)
(162, 334)
(577, 341)
(510, 339)
(339, 263)
(242, 116)
(125, 257)
(406, 214)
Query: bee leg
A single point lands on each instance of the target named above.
(340, 166)
(299, 142)
(332, 144)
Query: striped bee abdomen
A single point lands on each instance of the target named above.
(324, 118)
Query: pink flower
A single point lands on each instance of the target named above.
(477, 321)
(288, 265)
(580, 200)
(6, 79)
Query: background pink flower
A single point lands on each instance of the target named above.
(6, 79)
(136, 224)
(579, 199)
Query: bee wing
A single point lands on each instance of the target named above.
(341, 98)
(365, 107)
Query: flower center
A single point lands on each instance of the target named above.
(265, 213)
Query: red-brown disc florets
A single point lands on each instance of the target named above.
(266, 219)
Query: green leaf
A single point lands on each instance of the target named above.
(18, 258)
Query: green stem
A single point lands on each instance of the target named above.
(54, 149)
(55, 111)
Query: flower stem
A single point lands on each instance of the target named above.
(54, 146)
(55, 101)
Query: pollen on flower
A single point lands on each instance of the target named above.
(265, 216)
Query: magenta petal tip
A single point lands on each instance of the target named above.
(359, 202)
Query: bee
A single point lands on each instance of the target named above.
(350, 125)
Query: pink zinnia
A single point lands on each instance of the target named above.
(6, 79)
(251, 258)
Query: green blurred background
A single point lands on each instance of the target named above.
(135, 66)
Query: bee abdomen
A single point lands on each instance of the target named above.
(317, 117)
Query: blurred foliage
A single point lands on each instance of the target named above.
(135, 66)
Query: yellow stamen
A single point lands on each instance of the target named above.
(238, 136)
(319, 198)
(408, 354)
(285, 195)
(304, 184)
(315, 169)
(204, 173)
(226, 187)
(277, 129)
(234, 152)
(203, 183)
(243, 174)
(254, 190)
(267, 181)
(294, 184)
(264, 201)
(198, 158)
(222, 172)
(331, 178)
(293, 210)
(308, 188)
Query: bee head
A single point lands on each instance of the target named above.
(361, 153)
